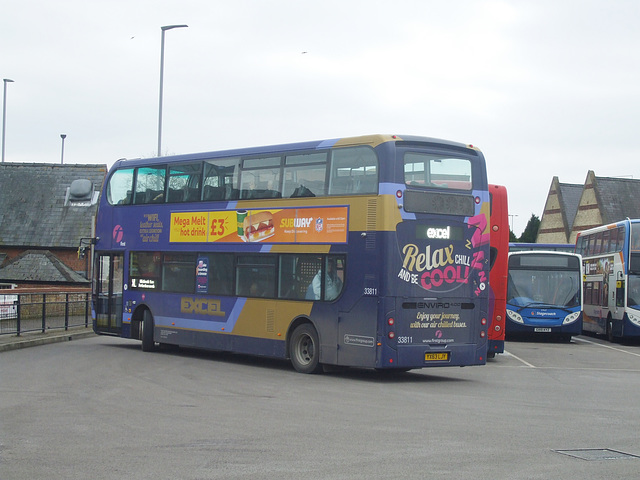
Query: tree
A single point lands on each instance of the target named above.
(531, 230)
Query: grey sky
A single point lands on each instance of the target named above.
(543, 87)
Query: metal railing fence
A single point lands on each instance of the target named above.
(23, 311)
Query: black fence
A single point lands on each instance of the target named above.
(41, 311)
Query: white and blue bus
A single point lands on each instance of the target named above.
(611, 260)
(544, 293)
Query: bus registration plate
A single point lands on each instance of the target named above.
(542, 329)
(436, 357)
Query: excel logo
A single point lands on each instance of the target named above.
(202, 306)
(439, 233)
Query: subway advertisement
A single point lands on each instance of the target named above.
(289, 225)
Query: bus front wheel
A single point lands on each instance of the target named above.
(146, 335)
(304, 349)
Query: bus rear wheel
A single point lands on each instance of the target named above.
(304, 349)
(146, 334)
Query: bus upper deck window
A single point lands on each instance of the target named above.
(150, 184)
(120, 187)
(353, 170)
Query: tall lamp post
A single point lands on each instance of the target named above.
(62, 136)
(4, 111)
(164, 29)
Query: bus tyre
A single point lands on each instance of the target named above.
(148, 345)
(304, 349)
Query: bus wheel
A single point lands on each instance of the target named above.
(148, 345)
(304, 349)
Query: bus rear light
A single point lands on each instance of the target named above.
(392, 335)
(495, 228)
(391, 321)
(399, 194)
(498, 318)
(477, 199)
(483, 321)
(483, 334)
(497, 328)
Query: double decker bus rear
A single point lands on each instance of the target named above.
(439, 304)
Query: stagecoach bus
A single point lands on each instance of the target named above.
(544, 293)
(369, 252)
(611, 260)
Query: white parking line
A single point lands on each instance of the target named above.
(605, 346)
(519, 359)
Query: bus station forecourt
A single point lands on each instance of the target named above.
(97, 407)
(398, 270)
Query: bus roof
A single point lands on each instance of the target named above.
(371, 140)
(522, 246)
(619, 223)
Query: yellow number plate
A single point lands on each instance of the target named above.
(436, 357)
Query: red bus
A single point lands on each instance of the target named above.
(499, 242)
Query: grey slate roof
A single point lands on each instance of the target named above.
(571, 194)
(39, 266)
(619, 198)
(35, 210)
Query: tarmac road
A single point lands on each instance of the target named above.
(100, 408)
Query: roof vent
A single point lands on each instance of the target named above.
(81, 189)
(80, 193)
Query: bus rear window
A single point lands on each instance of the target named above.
(430, 170)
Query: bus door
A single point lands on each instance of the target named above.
(619, 296)
(610, 301)
(108, 293)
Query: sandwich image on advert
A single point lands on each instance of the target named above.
(258, 226)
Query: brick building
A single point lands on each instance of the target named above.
(45, 210)
(571, 208)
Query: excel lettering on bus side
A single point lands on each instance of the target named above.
(202, 306)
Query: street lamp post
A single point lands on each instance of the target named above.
(164, 29)
(62, 136)
(4, 111)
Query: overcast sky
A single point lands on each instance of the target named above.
(542, 87)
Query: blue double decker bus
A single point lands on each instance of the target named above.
(367, 252)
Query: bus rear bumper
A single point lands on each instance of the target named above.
(418, 356)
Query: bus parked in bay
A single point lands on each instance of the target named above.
(499, 264)
(611, 259)
(544, 293)
(367, 252)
